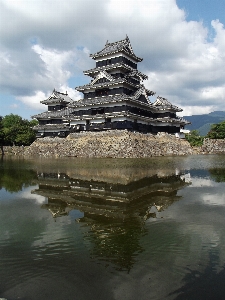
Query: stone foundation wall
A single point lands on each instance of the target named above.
(14, 150)
(116, 144)
(212, 146)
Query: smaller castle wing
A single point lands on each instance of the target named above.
(57, 97)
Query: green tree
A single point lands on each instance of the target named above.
(17, 131)
(1, 135)
(194, 138)
(218, 174)
(217, 131)
(13, 180)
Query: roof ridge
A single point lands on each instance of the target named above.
(57, 95)
(114, 47)
(126, 38)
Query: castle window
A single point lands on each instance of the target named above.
(103, 92)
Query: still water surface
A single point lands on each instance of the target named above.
(112, 229)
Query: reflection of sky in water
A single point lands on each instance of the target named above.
(58, 258)
(24, 194)
(4, 195)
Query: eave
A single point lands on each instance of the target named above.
(52, 114)
(93, 72)
(105, 84)
(99, 54)
(168, 108)
(114, 99)
(51, 127)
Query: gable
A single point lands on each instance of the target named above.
(103, 76)
(141, 95)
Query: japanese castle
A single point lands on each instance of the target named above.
(115, 99)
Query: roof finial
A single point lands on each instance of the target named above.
(106, 42)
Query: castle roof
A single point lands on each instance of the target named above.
(136, 73)
(51, 127)
(163, 104)
(120, 65)
(56, 114)
(117, 98)
(110, 80)
(57, 98)
(161, 120)
(116, 47)
(114, 81)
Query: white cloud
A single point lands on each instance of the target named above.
(26, 194)
(208, 197)
(48, 43)
(14, 106)
(202, 182)
(215, 199)
(55, 63)
(34, 100)
(57, 68)
(196, 110)
(194, 82)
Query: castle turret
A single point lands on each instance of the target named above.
(51, 122)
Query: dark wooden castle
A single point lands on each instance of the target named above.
(116, 98)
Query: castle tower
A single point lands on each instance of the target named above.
(116, 97)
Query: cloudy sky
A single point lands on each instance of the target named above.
(45, 44)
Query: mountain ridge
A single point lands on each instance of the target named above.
(203, 123)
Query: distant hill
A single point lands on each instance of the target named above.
(203, 123)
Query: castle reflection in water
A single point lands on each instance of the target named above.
(114, 213)
(109, 199)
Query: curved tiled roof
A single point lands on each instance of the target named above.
(111, 99)
(53, 114)
(116, 66)
(178, 120)
(162, 120)
(51, 126)
(105, 84)
(136, 73)
(120, 46)
(110, 115)
(57, 97)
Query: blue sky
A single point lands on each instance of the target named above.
(205, 10)
(46, 45)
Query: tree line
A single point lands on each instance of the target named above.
(14, 130)
(217, 131)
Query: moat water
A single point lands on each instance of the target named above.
(112, 228)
